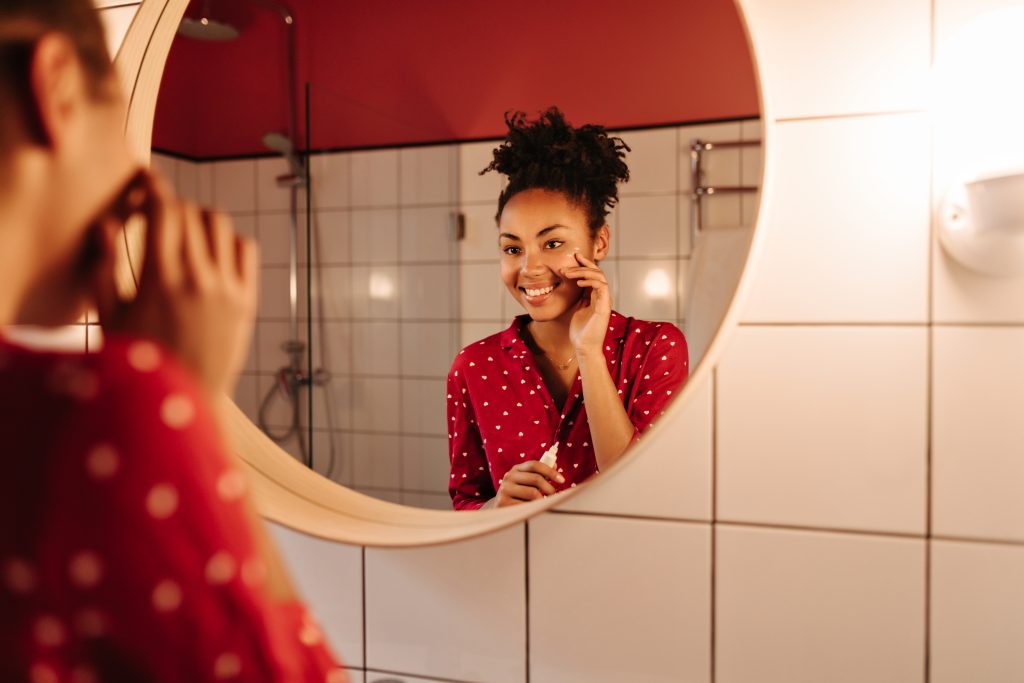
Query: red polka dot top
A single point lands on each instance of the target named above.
(125, 552)
(500, 412)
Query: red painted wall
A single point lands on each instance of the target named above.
(389, 72)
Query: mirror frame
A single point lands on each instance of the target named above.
(284, 490)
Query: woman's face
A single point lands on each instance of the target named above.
(540, 231)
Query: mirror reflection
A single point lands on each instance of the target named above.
(353, 152)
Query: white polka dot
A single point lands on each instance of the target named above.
(220, 569)
(227, 665)
(166, 596)
(162, 501)
(48, 631)
(102, 462)
(664, 357)
(19, 576)
(90, 623)
(231, 485)
(309, 634)
(42, 673)
(84, 674)
(144, 356)
(85, 569)
(177, 411)
(254, 571)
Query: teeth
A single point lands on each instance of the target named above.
(539, 292)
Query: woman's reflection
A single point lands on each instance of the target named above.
(571, 373)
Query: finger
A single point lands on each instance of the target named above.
(103, 283)
(540, 468)
(584, 272)
(247, 259)
(195, 250)
(537, 481)
(220, 238)
(524, 493)
(596, 284)
(585, 261)
(163, 230)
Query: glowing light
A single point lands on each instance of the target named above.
(977, 101)
(382, 287)
(657, 284)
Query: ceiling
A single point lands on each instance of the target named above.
(396, 72)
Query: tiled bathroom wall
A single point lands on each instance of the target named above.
(839, 502)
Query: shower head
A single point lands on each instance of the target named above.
(284, 146)
(207, 29)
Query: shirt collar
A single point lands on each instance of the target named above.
(509, 336)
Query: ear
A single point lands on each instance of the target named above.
(58, 87)
(602, 243)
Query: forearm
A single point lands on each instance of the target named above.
(610, 426)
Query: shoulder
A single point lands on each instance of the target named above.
(486, 350)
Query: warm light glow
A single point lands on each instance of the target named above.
(977, 98)
(382, 287)
(657, 284)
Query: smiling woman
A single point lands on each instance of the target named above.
(509, 395)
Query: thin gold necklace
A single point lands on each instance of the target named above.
(561, 366)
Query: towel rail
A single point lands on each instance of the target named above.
(697, 150)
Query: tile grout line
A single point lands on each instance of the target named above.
(714, 525)
(850, 115)
(930, 372)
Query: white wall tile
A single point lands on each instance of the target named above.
(473, 187)
(823, 426)
(116, 22)
(470, 332)
(333, 410)
(330, 576)
(375, 404)
(455, 611)
(427, 174)
(425, 235)
(339, 352)
(429, 292)
(188, 181)
(167, 167)
(423, 406)
(798, 607)
(481, 239)
(331, 180)
(647, 289)
(374, 177)
(334, 285)
(69, 338)
(429, 501)
(425, 465)
(847, 236)
(720, 166)
(962, 295)
(647, 226)
(977, 468)
(333, 241)
(374, 236)
(270, 356)
(375, 348)
(977, 613)
(428, 348)
(651, 161)
(376, 460)
(578, 629)
(204, 190)
(375, 292)
(672, 480)
(269, 195)
(274, 233)
(279, 408)
(480, 292)
(234, 185)
(814, 58)
(275, 292)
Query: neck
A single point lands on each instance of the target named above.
(552, 336)
(18, 215)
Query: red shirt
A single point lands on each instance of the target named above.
(500, 412)
(125, 552)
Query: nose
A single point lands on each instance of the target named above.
(533, 262)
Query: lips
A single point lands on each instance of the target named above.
(540, 293)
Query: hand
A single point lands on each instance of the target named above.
(197, 290)
(530, 480)
(589, 323)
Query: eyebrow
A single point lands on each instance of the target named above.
(541, 232)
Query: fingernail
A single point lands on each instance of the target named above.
(561, 479)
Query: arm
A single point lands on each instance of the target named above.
(469, 483)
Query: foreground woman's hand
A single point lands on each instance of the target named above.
(530, 480)
(197, 290)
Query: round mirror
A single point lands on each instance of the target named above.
(349, 138)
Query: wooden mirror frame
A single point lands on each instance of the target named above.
(285, 491)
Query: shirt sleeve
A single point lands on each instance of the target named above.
(663, 373)
(166, 579)
(470, 484)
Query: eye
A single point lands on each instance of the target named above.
(511, 251)
(553, 244)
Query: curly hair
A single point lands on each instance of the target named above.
(584, 163)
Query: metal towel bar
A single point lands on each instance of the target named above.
(697, 150)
